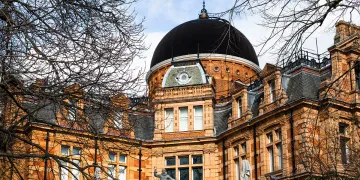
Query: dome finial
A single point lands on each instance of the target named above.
(203, 14)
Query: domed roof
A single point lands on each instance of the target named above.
(207, 35)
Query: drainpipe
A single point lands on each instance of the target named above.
(255, 157)
(140, 155)
(292, 141)
(46, 155)
(224, 164)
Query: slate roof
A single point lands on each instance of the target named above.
(143, 125)
(221, 116)
(303, 85)
(43, 111)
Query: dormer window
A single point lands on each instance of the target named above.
(357, 76)
(72, 110)
(118, 117)
(272, 91)
(239, 107)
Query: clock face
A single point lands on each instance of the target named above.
(183, 78)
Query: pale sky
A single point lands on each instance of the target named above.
(163, 15)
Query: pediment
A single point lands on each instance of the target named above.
(268, 69)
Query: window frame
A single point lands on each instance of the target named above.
(201, 121)
(169, 121)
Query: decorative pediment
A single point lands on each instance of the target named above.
(269, 69)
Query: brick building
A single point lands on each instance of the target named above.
(210, 108)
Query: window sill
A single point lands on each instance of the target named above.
(274, 173)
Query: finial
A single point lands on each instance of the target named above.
(203, 14)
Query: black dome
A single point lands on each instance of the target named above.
(212, 35)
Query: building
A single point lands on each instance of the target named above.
(210, 107)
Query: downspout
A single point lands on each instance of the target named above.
(292, 141)
(255, 157)
(140, 155)
(223, 154)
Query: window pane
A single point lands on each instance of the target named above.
(169, 120)
(111, 171)
(237, 169)
(278, 134)
(184, 173)
(75, 171)
(112, 157)
(97, 173)
(122, 173)
(65, 150)
(198, 173)
(171, 172)
(271, 159)
(197, 159)
(279, 148)
(239, 107)
(243, 147)
(198, 118)
(122, 159)
(76, 151)
(64, 171)
(342, 128)
(236, 151)
(118, 120)
(170, 161)
(183, 119)
(270, 137)
(184, 160)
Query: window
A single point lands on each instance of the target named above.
(279, 155)
(112, 157)
(75, 158)
(274, 149)
(118, 117)
(343, 128)
(117, 167)
(270, 137)
(357, 76)
(272, 91)
(197, 173)
(239, 107)
(182, 170)
(170, 161)
(183, 117)
(239, 157)
(236, 151)
(237, 169)
(271, 159)
(344, 143)
(169, 120)
(73, 105)
(198, 118)
(344, 146)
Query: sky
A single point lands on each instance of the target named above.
(163, 15)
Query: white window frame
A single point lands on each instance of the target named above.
(239, 101)
(198, 118)
(169, 120)
(272, 90)
(183, 119)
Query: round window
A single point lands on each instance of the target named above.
(183, 78)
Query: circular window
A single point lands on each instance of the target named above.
(216, 68)
(183, 78)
